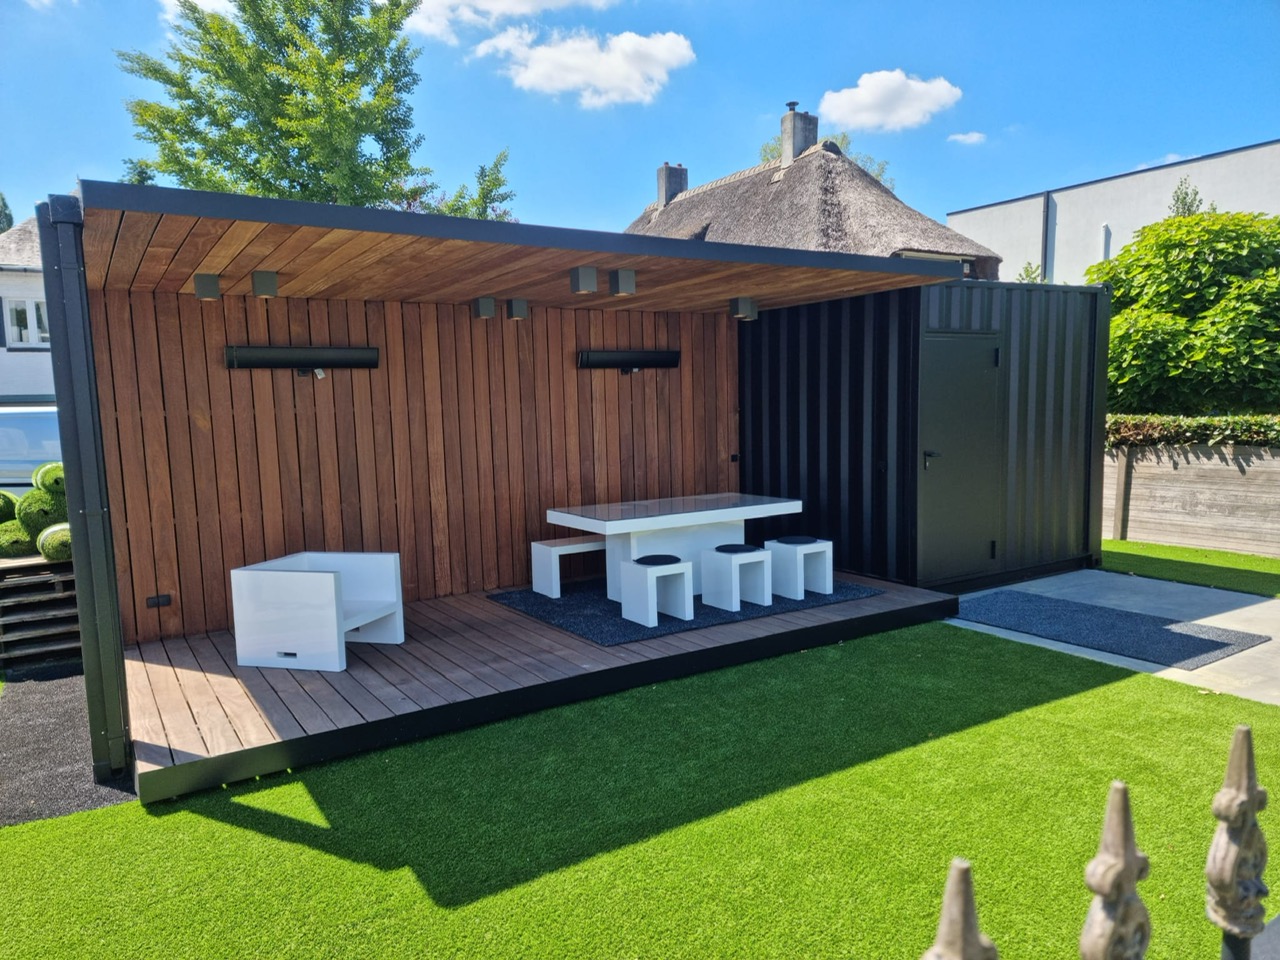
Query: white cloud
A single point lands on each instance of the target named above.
(887, 100)
(45, 4)
(1167, 158)
(969, 139)
(437, 18)
(625, 68)
(170, 8)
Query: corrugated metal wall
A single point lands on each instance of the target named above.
(1051, 415)
(828, 416)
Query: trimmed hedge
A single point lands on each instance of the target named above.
(1149, 430)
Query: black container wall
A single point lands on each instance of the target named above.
(1046, 483)
(827, 414)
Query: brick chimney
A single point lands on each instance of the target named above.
(671, 181)
(799, 132)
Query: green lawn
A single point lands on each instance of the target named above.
(806, 806)
(1210, 568)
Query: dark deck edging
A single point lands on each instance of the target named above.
(167, 783)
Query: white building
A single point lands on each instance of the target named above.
(1070, 228)
(26, 370)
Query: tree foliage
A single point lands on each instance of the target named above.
(6, 215)
(1186, 200)
(772, 149)
(485, 203)
(1029, 273)
(1197, 322)
(285, 98)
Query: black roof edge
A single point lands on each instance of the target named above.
(1116, 176)
(99, 194)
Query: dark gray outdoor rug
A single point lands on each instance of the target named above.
(584, 609)
(1138, 635)
(46, 767)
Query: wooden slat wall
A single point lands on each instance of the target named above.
(450, 453)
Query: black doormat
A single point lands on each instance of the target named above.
(1138, 635)
(584, 609)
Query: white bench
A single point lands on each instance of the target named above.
(300, 611)
(545, 560)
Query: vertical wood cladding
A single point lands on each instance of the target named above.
(449, 453)
(828, 416)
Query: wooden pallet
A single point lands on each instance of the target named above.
(38, 615)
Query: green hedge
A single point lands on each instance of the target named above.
(1148, 430)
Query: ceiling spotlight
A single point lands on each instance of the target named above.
(582, 279)
(206, 285)
(486, 308)
(518, 309)
(265, 283)
(622, 283)
(743, 308)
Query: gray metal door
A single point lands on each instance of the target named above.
(960, 457)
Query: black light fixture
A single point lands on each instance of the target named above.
(743, 308)
(582, 280)
(265, 284)
(206, 285)
(627, 360)
(622, 283)
(486, 308)
(518, 308)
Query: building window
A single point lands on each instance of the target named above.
(26, 324)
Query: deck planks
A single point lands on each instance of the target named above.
(189, 699)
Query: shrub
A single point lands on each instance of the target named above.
(39, 508)
(8, 506)
(49, 476)
(54, 543)
(1151, 430)
(1197, 322)
(15, 541)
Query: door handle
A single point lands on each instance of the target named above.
(929, 455)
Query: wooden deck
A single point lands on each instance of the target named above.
(199, 720)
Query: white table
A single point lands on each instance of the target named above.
(684, 526)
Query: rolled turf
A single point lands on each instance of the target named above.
(806, 806)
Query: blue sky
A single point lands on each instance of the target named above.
(969, 103)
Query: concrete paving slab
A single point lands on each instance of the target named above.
(1253, 673)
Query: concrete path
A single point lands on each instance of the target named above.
(1252, 673)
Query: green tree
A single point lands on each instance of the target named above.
(487, 202)
(304, 99)
(6, 215)
(772, 149)
(1029, 273)
(1186, 200)
(1196, 328)
(139, 172)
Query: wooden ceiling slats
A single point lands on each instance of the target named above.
(142, 252)
(165, 242)
(236, 275)
(99, 237)
(132, 241)
(229, 246)
(203, 236)
(345, 261)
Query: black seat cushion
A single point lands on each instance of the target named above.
(658, 559)
(797, 541)
(737, 548)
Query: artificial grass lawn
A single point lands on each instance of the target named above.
(806, 806)
(1244, 572)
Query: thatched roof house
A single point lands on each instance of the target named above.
(813, 197)
(20, 245)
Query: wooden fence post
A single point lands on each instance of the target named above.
(1238, 854)
(1117, 926)
(958, 935)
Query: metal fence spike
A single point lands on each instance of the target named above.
(1117, 926)
(1238, 853)
(958, 935)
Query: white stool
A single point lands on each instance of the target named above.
(545, 560)
(799, 564)
(659, 583)
(734, 572)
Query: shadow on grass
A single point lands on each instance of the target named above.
(1257, 582)
(482, 811)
